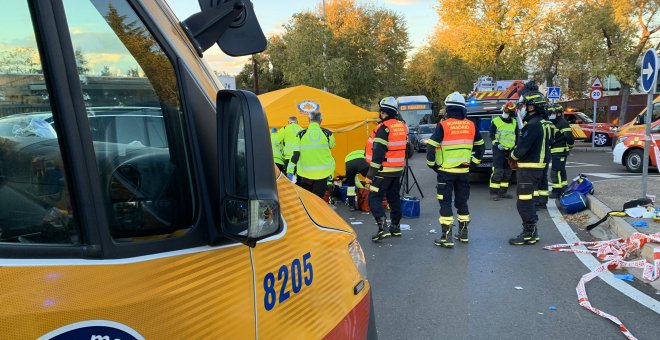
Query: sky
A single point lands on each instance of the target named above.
(420, 19)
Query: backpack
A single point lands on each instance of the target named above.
(573, 202)
(580, 184)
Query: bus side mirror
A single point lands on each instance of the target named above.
(231, 23)
(249, 206)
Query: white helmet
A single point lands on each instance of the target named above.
(455, 99)
(389, 105)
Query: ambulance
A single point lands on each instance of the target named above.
(629, 150)
(139, 200)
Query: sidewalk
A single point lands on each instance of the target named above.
(586, 147)
(611, 195)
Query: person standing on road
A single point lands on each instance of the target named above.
(287, 136)
(503, 133)
(355, 164)
(386, 155)
(561, 146)
(311, 159)
(278, 155)
(542, 193)
(532, 154)
(450, 154)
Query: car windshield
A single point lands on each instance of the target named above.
(427, 128)
(584, 118)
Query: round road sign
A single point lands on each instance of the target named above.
(596, 94)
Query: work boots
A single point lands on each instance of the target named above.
(445, 239)
(528, 235)
(462, 234)
(383, 231)
(395, 230)
(503, 194)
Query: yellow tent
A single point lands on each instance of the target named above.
(350, 124)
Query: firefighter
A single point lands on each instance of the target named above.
(450, 154)
(386, 153)
(287, 136)
(503, 133)
(278, 155)
(561, 145)
(311, 159)
(355, 164)
(542, 193)
(532, 154)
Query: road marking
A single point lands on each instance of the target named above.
(579, 165)
(592, 263)
(603, 175)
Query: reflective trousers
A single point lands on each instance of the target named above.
(499, 179)
(385, 187)
(541, 194)
(558, 174)
(453, 184)
(528, 183)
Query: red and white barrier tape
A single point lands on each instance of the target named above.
(615, 252)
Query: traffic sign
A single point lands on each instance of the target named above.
(597, 83)
(649, 71)
(554, 92)
(596, 94)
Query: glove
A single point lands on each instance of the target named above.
(512, 164)
(501, 147)
(291, 177)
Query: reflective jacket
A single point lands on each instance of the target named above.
(287, 135)
(311, 153)
(563, 137)
(533, 148)
(386, 148)
(504, 133)
(453, 142)
(278, 156)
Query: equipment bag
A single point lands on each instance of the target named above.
(410, 207)
(622, 213)
(363, 200)
(573, 202)
(582, 185)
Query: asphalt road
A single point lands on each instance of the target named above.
(425, 292)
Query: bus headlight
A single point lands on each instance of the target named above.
(355, 249)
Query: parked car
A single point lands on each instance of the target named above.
(582, 127)
(420, 135)
(629, 150)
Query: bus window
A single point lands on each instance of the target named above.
(134, 111)
(34, 200)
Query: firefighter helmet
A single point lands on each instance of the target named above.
(455, 99)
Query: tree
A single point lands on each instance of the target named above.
(270, 78)
(21, 60)
(437, 74)
(105, 72)
(81, 62)
(491, 36)
(612, 35)
(133, 72)
(358, 52)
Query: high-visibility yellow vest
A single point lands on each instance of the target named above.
(315, 161)
(455, 149)
(506, 132)
(278, 155)
(288, 135)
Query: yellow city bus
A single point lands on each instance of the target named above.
(139, 200)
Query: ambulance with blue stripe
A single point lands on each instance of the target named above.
(139, 200)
